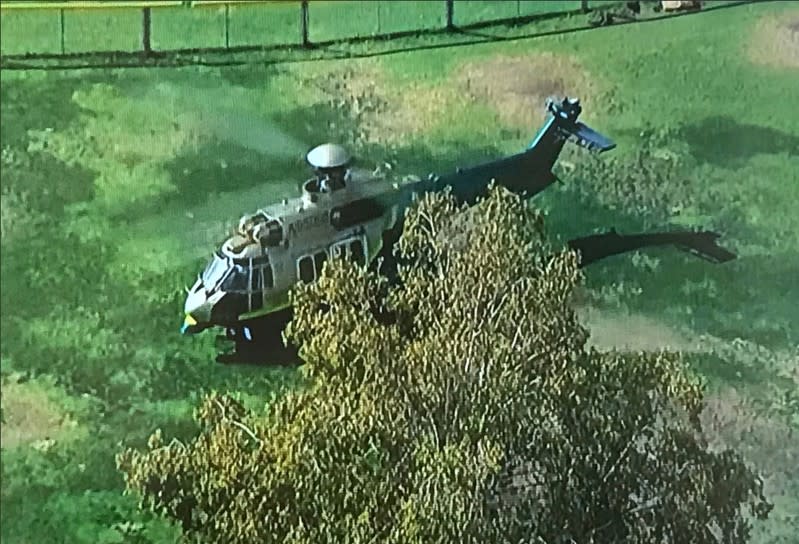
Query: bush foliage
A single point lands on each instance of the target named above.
(459, 405)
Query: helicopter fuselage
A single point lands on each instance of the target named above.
(245, 288)
(251, 275)
(286, 243)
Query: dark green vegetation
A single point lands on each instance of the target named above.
(416, 421)
(107, 215)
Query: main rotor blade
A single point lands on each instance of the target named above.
(703, 244)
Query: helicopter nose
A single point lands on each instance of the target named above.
(189, 325)
(196, 302)
(198, 308)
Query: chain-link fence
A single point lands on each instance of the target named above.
(58, 28)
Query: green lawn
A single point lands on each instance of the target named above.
(116, 185)
(39, 30)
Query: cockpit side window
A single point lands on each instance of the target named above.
(256, 290)
(236, 281)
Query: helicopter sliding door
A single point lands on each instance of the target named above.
(309, 267)
(353, 249)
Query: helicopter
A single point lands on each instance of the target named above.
(345, 213)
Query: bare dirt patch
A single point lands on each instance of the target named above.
(30, 415)
(517, 86)
(633, 332)
(384, 112)
(775, 41)
(730, 420)
(388, 112)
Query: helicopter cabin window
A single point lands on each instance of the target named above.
(269, 278)
(319, 261)
(305, 269)
(357, 253)
(350, 249)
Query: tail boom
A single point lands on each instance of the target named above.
(530, 171)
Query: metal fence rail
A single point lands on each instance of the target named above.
(63, 28)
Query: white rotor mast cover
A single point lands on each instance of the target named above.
(328, 156)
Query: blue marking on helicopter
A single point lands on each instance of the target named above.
(541, 133)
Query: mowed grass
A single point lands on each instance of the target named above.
(273, 23)
(117, 184)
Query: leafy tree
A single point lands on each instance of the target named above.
(459, 405)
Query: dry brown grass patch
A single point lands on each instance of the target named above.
(30, 416)
(776, 40)
(633, 332)
(517, 86)
(730, 420)
(384, 112)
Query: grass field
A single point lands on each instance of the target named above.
(114, 29)
(116, 184)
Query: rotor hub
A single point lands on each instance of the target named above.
(328, 156)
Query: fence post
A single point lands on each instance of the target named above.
(145, 32)
(306, 42)
(61, 24)
(377, 6)
(227, 26)
(450, 10)
(584, 5)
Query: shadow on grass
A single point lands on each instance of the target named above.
(749, 297)
(201, 172)
(223, 166)
(220, 167)
(43, 102)
(721, 372)
(254, 77)
(48, 184)
(117, 331)
(722, 141)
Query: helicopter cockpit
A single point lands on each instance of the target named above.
(239, 274)
(247, 269)
(231, 286)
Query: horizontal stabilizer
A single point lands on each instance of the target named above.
(586, 137)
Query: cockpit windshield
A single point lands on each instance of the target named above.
(237, 281)
(238, 275)
(215, 272)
